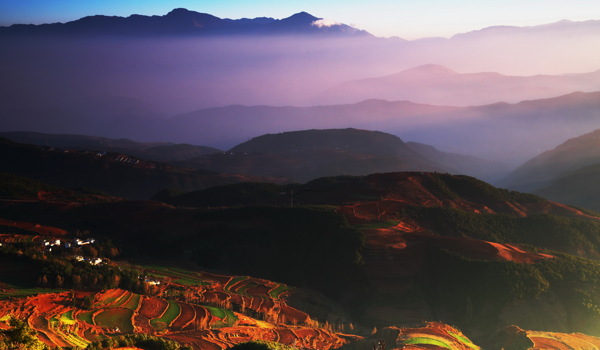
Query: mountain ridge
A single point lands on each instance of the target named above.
(181, 21)
(568, 157)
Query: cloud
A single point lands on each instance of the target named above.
(321, 23)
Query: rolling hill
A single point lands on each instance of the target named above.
(308, 154)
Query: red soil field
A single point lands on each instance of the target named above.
(223, 338)
(215, 296)
(560, 341)
(109, 297)
(191, 326)
(214, 277)
(37, 228)
(258, 290)
(50, 303)
(203, 317)
(40, 324)
(186, 317)
(478, 249)
(152, 307)
(141, 324)
(290, 315)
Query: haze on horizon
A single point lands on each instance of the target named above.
(405, 19)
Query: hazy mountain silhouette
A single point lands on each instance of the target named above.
(570, 156)
(483, 169)
(566, 174)
(166, 61)
(434, 84)
(182, 22)
(498, 132)
(509, 133)
(578, 188)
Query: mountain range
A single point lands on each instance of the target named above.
(435, 84)
(510, 133)
(182, 22)
(498, 132)
(211, 70)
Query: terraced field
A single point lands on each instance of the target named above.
(435, 336)
(262, 296)
(560, 341)
(116, 312)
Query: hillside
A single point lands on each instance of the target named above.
(483, 169)
(578, 188)
(154, 151)
(308, 154)
(114, 173)
(572, 155)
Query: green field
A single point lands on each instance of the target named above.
(169, 316)
(122, 299)
(233, 281)
(227, 317)
(133, 302)
(26, 292)
(276, 292)
(67, 318)
(116, 318)
(72, 338)
(427, 341)
(86, 316)
(466, 341)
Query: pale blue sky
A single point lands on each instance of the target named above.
(408, 19)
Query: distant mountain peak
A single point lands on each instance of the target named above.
(301, 17)
(178, 11)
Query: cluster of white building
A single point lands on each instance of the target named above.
(67, 244)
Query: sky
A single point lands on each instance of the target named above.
(408, 19)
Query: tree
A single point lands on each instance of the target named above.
(21, 336)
